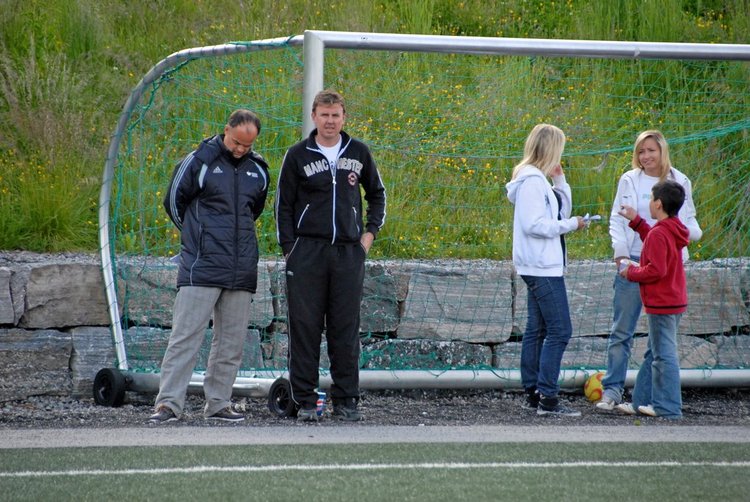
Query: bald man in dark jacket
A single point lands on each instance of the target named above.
(215, 195)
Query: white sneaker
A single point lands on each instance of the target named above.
(606, 404)
(647, 410)
(626, 408)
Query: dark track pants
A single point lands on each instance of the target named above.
(324, 292)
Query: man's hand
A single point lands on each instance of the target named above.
(366, 241)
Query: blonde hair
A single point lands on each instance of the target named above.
(664, 163)
(543, 149)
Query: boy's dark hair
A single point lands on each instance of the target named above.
(671, 194)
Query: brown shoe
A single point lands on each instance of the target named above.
(227, 415)
(162, 415)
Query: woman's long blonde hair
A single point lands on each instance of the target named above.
(664, 163)
(543, 149)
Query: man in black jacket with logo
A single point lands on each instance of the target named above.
(324, 240)
(215, 195)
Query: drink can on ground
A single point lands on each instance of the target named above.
(321, 404)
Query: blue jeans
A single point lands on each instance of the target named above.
(548, 330)
(627, 308)
(658, 380)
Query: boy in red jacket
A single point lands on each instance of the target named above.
(661, 276)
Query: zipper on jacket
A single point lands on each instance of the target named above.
(199, 251)
(356, 220)
(236, 223)
(332, 169)
(333, 211)
(299, 222)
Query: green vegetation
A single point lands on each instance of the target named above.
(67, 67)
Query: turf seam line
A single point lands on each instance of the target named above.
(356, 467)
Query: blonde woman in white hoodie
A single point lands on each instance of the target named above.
(541, 218)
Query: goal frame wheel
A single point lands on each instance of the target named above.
(109, 387)
(280, 400)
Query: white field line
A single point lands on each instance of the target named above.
(362, 467)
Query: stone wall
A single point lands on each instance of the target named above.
(55, 336)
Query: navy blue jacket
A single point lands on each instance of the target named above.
(214, 200)
(312, 200)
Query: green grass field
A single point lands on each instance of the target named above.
(388, 472)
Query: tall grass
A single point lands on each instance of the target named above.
(66, 68)
(44, 208)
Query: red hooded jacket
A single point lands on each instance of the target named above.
(661, 275)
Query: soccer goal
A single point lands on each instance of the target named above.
(446, 118)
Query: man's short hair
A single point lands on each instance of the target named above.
(328, 97)
(243, 116)
(671, 194)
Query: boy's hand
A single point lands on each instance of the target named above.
(627, 212)
(624, 270)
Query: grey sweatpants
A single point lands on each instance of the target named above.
(192, 311)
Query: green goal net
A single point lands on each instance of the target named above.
(446, 130)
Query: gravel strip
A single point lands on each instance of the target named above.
(701, 407)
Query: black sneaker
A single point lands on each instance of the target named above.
(531, 402)
(346, 410)
(552, 406)
(227, 415)
(307, 415)
(162, 415)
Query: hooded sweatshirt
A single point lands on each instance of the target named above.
(661, 274)
(537, 250)
(621, 234)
